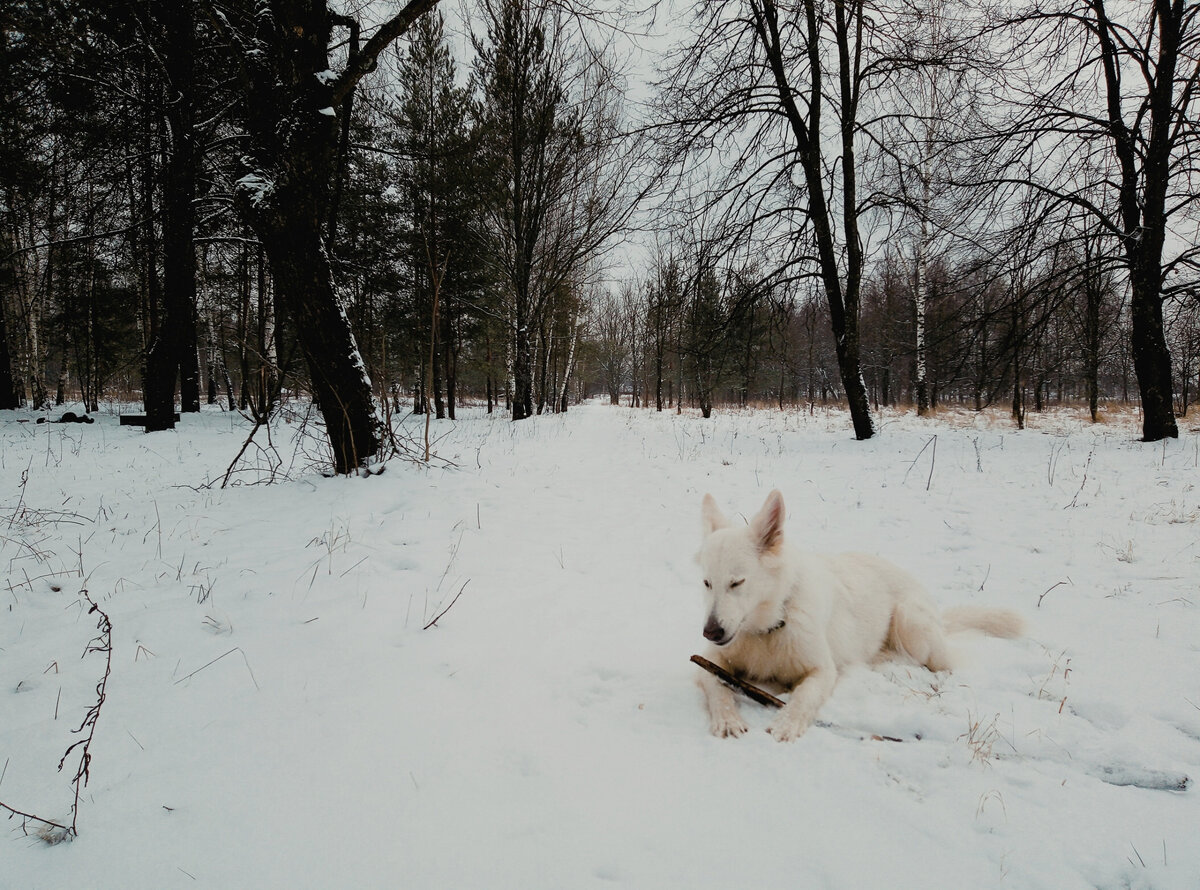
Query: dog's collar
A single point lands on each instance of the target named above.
(782, 621)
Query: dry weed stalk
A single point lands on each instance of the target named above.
(49, 830)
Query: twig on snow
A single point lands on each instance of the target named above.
(449, 607)
(1051, 587)
(1086, 465)
(932, 461)
(53, 832)
(218, 658)
(100, 643)
(765, 698)
(50, 828)
(748, 689)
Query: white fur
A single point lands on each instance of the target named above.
(835, 610)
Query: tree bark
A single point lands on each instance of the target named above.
(285, 195)
(9, 397)
(1143, 202)
(843, 296)
(522, 403)
(338, 375)
(1151, 357)
(173, 352)
(921, 296)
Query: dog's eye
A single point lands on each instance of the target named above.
(738, 583)
(708, 584)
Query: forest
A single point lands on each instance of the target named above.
(393, 210)
(411, 341)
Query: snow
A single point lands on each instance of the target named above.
(278, 717)
(256, 185)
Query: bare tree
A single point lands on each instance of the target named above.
(920, 143)
(561, 168)
(611, 333)
(1095, 313)
(1183, 332)
(173, 353)
(292, 93)
(778, 97)
(1104, 115)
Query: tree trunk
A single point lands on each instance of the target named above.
(522, 372)
(285, 196)
(179, 200)
(268, 366)
(1018, 393)
(566, 377)
(546, 340)
(436, 369)
(243, 329)
(60, 391)
(658, 372)
(338, 375)
(449, 361)
(1143, 203)
(490, 382)
(9, 397)
(173, 353)
(1151, 357)
(921, 297)
(1093, 295)
(213, 359)
(841, 294)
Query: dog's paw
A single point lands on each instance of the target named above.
(727, 726)
(787, 728)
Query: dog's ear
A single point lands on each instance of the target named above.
(767, 524)
(711, 516)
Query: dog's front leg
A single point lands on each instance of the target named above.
(801, 710)
(724, 718)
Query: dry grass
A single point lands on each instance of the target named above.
(981, 737)
(1114, 417)
(1057, 418)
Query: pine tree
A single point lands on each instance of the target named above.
(441, 189)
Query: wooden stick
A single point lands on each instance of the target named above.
(765, 698)
(747, 689)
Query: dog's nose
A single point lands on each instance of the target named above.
(713, 630)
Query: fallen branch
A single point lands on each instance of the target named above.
(747, 689)
(100, 643)
(765, 698)
(932, 462)
(1048, 589)
(233, 463)
(449, 607)
(218, 658)
(55, 832)
(49, 825)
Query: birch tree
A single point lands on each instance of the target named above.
(935, 98)
(779, 96)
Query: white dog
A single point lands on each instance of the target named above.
(782, 617)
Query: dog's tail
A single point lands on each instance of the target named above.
(993, 622)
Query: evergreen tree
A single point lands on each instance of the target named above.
(441, 196)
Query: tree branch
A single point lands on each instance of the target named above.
(365, 61)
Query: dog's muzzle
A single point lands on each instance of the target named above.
(713, 631)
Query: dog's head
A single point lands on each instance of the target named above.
(740, 567)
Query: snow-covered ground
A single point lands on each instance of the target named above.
(277, 715)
